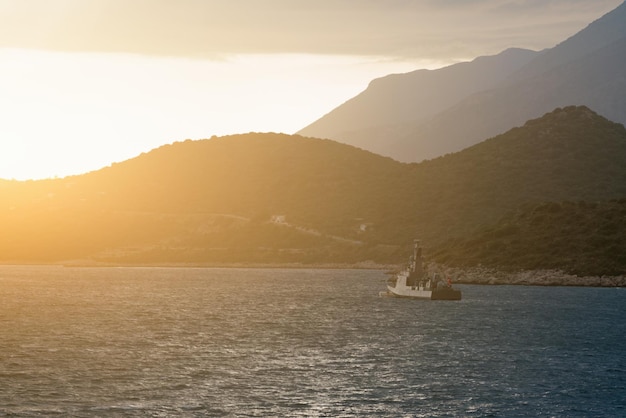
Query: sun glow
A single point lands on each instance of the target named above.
(69, 113)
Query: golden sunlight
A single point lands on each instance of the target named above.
(69, 113)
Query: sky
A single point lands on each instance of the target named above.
(84, 83)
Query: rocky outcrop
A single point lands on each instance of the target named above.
(488, 276)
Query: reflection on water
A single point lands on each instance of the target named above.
(259, 342)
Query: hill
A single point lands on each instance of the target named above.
(271, 198)
(209, 200)
(568, 154)
(580, 238)
(586, 69)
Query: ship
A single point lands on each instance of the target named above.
(414, 282)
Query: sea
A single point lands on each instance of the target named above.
(236, 342)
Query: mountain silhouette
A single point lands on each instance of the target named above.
(392, 105)
(273, 198)
(587, 69)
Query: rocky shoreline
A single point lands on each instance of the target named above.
(488, 276)
(475, 275)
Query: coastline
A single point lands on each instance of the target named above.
(540, 277)
(471, 276)
(365, 265)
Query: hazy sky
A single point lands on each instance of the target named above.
(87, 82)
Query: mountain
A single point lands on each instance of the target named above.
(587, 69)
(271, 198)
(391, 105)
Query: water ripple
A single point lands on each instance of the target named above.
(245, 342)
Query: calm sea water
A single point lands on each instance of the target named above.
(257, 342)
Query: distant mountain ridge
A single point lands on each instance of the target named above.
(392, 104)
(272, 198)
(588, 69)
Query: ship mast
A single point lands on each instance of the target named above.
(416, 267)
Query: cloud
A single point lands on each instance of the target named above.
(433, 29)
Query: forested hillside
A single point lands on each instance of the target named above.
(272, 198)
(568, 154)
(582, 238)
(269, 197)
